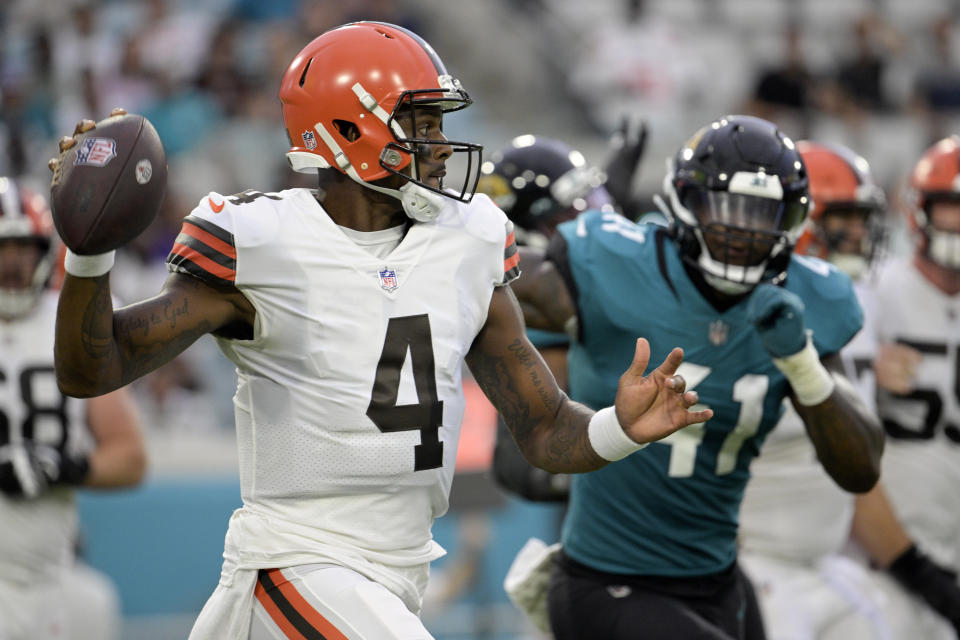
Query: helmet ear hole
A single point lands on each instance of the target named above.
(347, 129)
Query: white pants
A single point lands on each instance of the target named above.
(907, 615)
(82, 605)
(833, 598)
(306, 600)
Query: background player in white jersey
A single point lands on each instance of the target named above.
(918, 398)
(794, 521)
(49, 443)
(349, 316)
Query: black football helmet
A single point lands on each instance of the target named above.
(738, 197)
(541, 182)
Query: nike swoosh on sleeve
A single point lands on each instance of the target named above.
(217, 208)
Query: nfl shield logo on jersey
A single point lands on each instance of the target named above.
(96, 151)
(388, 279)
(718, 332)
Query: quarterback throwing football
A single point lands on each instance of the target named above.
(349, 311)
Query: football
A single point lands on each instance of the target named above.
(108, 187)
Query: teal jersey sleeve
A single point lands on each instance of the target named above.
(671, 509)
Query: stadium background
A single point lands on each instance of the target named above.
(880, 76)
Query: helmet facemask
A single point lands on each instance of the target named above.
(941, 246)
(461, 168)
(852, 236)
(739, 237)
(25, 222)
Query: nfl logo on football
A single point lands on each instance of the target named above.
(388, 279)
(96, 152)
(309, 140)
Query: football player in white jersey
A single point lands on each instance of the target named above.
(794, 519)
(795, 522)
(349, 311)
(918, 398)
(49, 443)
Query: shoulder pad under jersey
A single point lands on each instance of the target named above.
(484, 220)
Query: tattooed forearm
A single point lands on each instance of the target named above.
(568, 448)
(533, 366)
(99, 349)
(144, 357)
(548, 427)
(154, 332)
(493, 377)
(95, 334)
(141, 325)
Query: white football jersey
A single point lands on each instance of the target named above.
(349, 397)
(791, 508)
(36, 536)
(921, 461)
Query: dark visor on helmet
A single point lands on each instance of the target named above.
(743, 211)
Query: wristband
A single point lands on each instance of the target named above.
(88, 266)
(608, 438)
(811, 382)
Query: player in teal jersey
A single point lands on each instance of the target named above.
(649, 543)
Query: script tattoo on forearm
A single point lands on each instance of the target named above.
(156, 334)
(530, 363)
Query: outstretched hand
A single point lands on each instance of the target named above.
(652, 407)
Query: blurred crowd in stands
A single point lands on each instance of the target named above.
(880, 76)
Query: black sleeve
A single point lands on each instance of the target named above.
(514, 474)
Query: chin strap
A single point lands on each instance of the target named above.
(421, 204)
(418, 203)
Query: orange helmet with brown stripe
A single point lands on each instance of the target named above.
(341, 97)
(846, 222)
(935, 178)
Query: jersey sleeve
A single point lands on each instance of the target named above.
(511, 257)
(205, 247)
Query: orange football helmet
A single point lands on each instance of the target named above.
(340, 99)
(935, 178)
(841, 183)
(25, 217)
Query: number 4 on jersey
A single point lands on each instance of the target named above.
(409, 333)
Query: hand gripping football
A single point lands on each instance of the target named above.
(107, 186)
